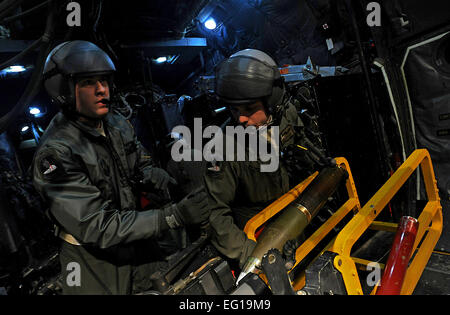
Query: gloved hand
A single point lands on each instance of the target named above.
(289, 250)
(193, 209)
(157, 177)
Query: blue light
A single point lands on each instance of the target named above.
(15, 69)
(210, 24)
(219, 110)
(161, 59)
(169, 59)
(35, 111)
(11, 70)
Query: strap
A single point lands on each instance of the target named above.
(50, 73)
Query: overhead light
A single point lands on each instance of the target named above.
(24, 128)
(170, 59)
(11, 70)
(35, 111)
(210, 24)
(15, 68)
(161, 59)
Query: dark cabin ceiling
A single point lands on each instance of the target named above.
(286, 29)
(134, 33)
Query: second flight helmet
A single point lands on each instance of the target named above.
(68, 61)
(247, 76)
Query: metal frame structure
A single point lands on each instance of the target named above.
(430, 223)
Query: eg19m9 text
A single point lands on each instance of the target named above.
(246, 304)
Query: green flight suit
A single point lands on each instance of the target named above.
(239, 190)
(88, 181)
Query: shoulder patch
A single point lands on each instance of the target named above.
(49, 165)
(287, 134)
(214, 167)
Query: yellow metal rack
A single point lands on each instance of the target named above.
(430, 223)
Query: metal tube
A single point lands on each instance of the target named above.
(395, 270)
(297, 215)
(25, 13)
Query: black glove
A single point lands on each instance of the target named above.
(289, 250)
(193, 209)
(157, 177)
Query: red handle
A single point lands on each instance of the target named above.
(395, 270)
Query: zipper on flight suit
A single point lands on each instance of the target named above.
(124, 179)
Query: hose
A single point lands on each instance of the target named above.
(25, 13)
(22, 54)
(7, 6)
(34, 84)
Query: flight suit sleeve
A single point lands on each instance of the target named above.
(221, 183)
(78, 207)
